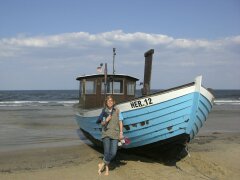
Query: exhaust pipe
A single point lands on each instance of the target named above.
(147, 72)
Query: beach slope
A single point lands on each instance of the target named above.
(213, 156)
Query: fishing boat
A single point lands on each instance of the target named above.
(159, 120)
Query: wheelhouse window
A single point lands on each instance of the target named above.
(115, 87)
(130, 88)
(90, 87)
(80, 89)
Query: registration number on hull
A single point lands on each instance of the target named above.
(141, 103)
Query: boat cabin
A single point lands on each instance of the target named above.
(93, 89)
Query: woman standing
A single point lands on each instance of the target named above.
(112, 131)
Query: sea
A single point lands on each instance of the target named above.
(45, 118)
(35, 98)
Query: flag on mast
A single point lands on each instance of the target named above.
(99, 69)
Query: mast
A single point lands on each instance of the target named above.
(105, 81)
(114, 54)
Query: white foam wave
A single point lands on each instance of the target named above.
(38, 103)
(227, 101)
(72, 102)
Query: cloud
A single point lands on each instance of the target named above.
(81, 52)
(83, 40)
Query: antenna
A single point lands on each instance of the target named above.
(114, 54)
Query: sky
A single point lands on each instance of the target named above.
(45, 45)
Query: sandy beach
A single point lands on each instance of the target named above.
(213, 155)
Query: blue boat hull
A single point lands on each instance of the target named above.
(165, 118)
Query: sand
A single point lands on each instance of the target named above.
(214, 156)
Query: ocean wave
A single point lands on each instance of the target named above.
(37, 103)
(72, 102)
(227, 102)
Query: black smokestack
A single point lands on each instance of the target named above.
(147, 72)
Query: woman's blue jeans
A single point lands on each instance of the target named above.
(110, 149)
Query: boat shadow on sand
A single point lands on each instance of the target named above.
(168, 157)
(123, 155)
